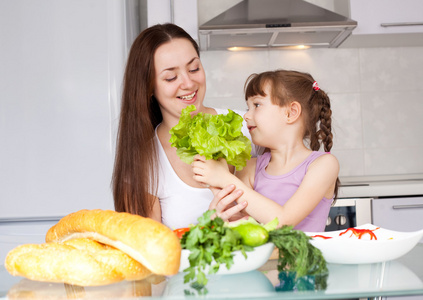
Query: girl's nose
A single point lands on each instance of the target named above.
(247, 115)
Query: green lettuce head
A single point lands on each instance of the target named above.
(213, 136)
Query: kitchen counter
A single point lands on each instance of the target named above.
(403, 276)
(381, 186)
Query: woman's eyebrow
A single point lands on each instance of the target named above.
(190, 62)
(174, 68)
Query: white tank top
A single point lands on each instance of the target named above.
(180, 203)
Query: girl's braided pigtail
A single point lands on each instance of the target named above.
(320, 121)
(325, 131)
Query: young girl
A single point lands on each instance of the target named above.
(289, 115)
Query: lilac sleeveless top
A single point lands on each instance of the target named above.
(281, 188)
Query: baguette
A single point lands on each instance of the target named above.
(147, 241)
(122, 263)
(82, 262)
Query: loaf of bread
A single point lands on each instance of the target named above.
(147, 241)
(80, 261)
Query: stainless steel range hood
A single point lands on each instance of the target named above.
(264, 24)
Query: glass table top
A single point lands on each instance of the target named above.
(403, 276)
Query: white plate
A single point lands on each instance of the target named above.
(255, 259)
(344, 250)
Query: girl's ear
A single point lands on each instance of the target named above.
(293, 111)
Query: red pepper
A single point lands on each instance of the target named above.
(360, 232)
(180, 231)
(321, 236)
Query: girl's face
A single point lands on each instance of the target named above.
(265, 120)
(180, 79)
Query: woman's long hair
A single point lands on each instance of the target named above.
(287, 86)
(136, 162)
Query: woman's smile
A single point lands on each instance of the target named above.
(189, 98)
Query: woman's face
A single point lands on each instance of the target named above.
(180, 79)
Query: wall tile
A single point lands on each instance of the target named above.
(346, 121)
(391, 69)
(227, 71)
(411, 63)
(388, 161)
(336, 70)
(392, 119)
(351, 162)
(376, 96)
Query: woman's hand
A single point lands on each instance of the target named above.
(215, 174)
(211, 172)
(224, 202)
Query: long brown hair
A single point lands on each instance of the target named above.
(287, 86)
(135, 169)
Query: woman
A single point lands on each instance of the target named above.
(163, 75)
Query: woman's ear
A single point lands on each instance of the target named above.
(293, 111)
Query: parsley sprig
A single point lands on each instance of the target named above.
(211, 244)
(296, 253)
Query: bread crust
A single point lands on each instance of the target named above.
(149, 242)
(82, 262)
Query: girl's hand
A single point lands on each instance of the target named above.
(224, 202)
(211, 172)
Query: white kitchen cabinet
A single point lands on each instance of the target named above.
(61, 70)
(399, 214)
(387, 16)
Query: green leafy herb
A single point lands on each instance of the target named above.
(213, 136)
(296, 253)
(211, 244)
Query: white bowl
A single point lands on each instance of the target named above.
(344, 250)
(255, 259)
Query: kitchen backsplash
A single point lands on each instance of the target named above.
(376, 95)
